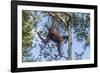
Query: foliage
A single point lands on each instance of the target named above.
(81, 26)
(26, 30)
(29, 22)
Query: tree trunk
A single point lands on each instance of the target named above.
(69, 43)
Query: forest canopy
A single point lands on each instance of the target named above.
(75, 25)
